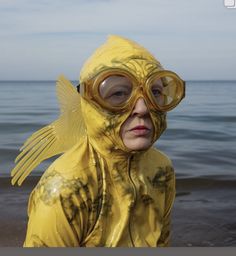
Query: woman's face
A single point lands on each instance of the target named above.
(137, 130)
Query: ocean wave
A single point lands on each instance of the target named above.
(40, 113)
(200, 137)
(206, 118)
(198, 134)
(9, 128)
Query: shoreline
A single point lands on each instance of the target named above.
(203, 213)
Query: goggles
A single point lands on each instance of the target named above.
(117, 90)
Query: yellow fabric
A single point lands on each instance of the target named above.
(119, 52)
(100, 193)
(87, 200)
(126, 55)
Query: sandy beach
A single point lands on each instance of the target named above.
(203, 213)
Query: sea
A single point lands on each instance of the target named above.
(200, 137)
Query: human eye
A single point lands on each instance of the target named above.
(115, 90)
(118, 96)
(156, 91)
(119, 93)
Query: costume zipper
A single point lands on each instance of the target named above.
(135, 198)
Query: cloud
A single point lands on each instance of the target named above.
(101, 16)
(62, 34)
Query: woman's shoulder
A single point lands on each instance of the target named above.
(155, 155)
(70, 173)
(76, 162)
(53, 186)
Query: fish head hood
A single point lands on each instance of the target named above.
(103, 126)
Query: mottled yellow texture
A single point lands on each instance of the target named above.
(100, 193)
(119, 52)
(85, 199)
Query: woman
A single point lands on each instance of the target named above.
(110, 187)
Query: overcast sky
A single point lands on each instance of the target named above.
(41, 39)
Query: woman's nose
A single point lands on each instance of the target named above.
(140, 107)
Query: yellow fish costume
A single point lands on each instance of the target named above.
(99, 192)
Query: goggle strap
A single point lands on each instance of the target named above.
(78, 88)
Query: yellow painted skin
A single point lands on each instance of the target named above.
(100, 193)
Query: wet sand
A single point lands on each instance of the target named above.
(204, 212)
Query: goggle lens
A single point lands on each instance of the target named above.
(163, 90)
(115, 90)
(166, 90)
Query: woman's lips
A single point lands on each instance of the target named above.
(140, 130)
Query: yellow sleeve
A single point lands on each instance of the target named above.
(169, 200)
(49, 226)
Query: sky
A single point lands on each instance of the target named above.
(39, 40)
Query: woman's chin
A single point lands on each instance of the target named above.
(138, 144)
